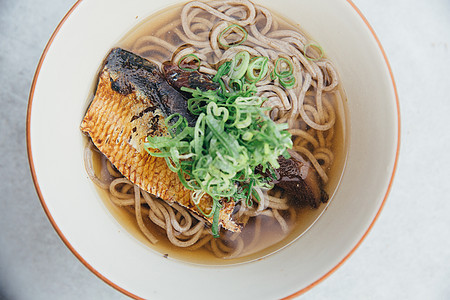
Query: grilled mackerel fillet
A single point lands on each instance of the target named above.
(131, 102)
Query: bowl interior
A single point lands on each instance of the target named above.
(58, 102)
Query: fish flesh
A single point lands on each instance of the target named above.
(132, 101)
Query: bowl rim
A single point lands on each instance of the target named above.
(128, 293)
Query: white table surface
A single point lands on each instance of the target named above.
(405, 256)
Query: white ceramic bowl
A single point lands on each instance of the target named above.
(61, 87)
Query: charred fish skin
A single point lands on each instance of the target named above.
(179, 78)
(132, 73)
(299, 181)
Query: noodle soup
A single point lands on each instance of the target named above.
(313, 108)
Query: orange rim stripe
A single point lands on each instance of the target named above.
(91, 268)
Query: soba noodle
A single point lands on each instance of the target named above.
(308, 108)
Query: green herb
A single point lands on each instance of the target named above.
(187, 60)
(283, 67)
(232, 28)
(239, 65)
(223, 70)
(288, 82)
(284, 70)
(311, 45)
(257, 68)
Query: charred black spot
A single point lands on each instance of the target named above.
(148, 109)
(121, 86)
(154, 122)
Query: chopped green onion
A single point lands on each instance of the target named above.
(223, 70)
(215, 223)
(231, 137)
(273, 76)
(250, 191)
(311, 45)
(284, 70)
(236, 84)
(239, 65)
(283, 67)
(232, 28)
(187, 60)
(257, 68)
(288, 82)
(211, 213)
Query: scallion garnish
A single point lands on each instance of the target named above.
(232, 136)
(288, 82)
(283, 67)
(239, 65)
(227, 31)
(189, 62)
(257, 68)
(313, 45)
(284, 70)
(223, 70)
(236, 84)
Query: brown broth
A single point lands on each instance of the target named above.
(273, 238)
